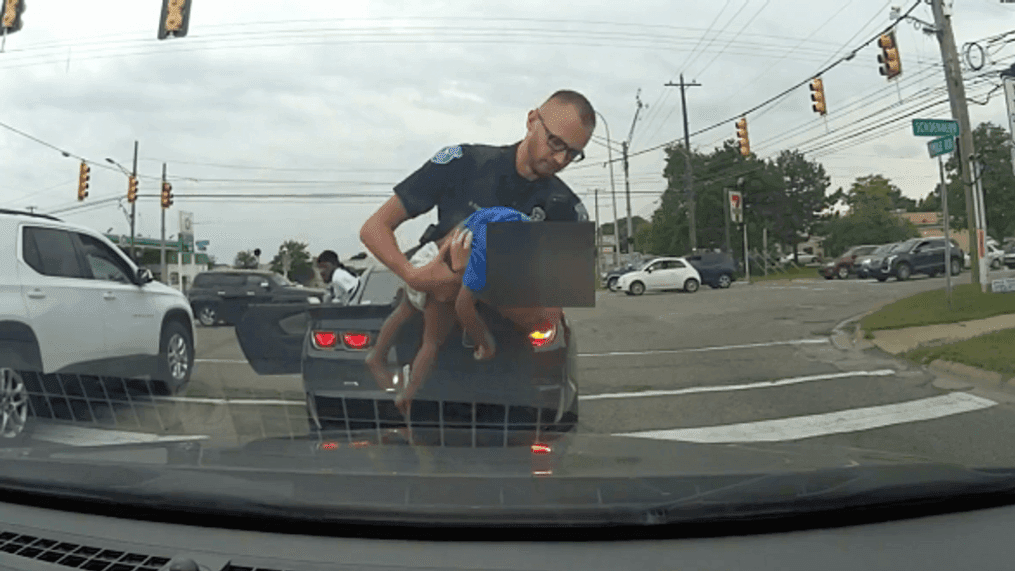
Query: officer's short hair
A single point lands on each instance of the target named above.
(328, 256)
(585, 111)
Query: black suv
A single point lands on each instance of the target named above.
(223, 296)
(918, 256)
(718, 270)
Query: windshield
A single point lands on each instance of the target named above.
(459, 194)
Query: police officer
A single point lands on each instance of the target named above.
(461, 179)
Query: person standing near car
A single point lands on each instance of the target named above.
(462, 179)
(340, 283)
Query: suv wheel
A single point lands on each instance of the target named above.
(637, 288)
(995, 264)
(13, 406)
(691, 285)
(176, 356)
(206, 315)
(956, 267)
(725, 281)
(903, 271)
(843, 272)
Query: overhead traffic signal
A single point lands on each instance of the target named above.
(742, 140)
(891, 65)
(175, 18)
(818, 96)
(83, 177)
(10, 21)
(167, 194)
(131, 189)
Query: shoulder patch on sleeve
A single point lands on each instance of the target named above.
(447, 154)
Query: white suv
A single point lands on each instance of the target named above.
(72, 303)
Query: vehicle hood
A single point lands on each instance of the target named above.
(160, 288)
(597, 480)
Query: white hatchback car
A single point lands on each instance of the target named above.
(661, 274)
(71, 303)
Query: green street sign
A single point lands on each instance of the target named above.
(935, 127)
(941, 146)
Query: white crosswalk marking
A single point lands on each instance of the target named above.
(839, 422)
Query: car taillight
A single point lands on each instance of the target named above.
(541, 448)
(325, 339)
(543, 335)
(356, 340)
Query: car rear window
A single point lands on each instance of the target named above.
(380, 288)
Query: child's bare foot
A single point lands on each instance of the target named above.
(379, 371)
(487, 349)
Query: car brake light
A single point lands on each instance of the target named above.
(329, 446)
(356, 340)
(543, 335)
(541, 448)
(325, 339)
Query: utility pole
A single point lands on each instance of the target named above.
(688, 191)
(960, 112)
(599, 250)
(162, 242)
(613, 191)
(133, 210)
(627, 181)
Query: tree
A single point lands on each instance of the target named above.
(245, 260)
(993, 149)
(636, 224)
(873, 201)
(294, 260)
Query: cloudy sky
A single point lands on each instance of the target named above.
(281, 120)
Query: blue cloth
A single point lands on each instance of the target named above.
(475, 272)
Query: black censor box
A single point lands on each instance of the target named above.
(540, 264)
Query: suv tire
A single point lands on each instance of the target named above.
(206, 314)
(725, 281)
(843, 272)
(14, 413)
(956, 267)
(903, 271)
(176, 357)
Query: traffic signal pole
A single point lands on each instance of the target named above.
(960, 112)
(133, 209)
(162, 242)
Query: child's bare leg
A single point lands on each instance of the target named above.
(439, 320)
(465, 308)
(378, 356)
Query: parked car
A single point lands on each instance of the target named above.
(661, 274)
(864, 263)
(221, 296)
(803, 259)
(527, 394)
(611, 277)
(845, 264)
(76, 305)
(717, 269)
(1009, 256)
(918, 256)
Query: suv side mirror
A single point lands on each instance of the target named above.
(144, 276)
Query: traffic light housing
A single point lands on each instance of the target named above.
(818, 96)
(131, 189)
(175, 18)
(891, 65)
(10, 21)
(742, 140)
(167, 194)
(83, 176)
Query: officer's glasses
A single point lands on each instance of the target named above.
(557, 144)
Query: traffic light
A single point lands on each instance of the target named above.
(891, 65)
(818, 96)
(175, 18)
(745, 144)
(131, 189)
(11, 19)
(167, 194)
(83, 181)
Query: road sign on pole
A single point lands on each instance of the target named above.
(935, 127)
(941, 146)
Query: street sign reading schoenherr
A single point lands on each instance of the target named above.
(935, 127)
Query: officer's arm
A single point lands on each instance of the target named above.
(378, 235)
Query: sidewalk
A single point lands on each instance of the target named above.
(898, 341)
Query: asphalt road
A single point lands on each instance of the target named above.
(754, 363)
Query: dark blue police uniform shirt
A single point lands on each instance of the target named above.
(461, 179)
